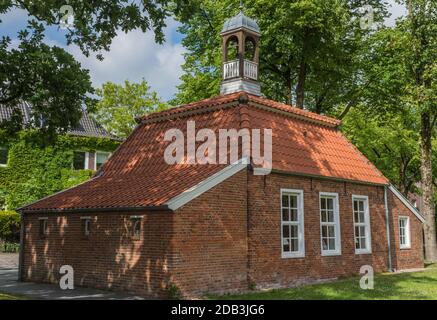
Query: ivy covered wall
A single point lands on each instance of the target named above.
(37, 169)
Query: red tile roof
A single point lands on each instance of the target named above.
(137, 176)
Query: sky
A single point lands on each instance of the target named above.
(133, 55)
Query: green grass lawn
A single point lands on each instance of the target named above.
(5, 296)
(405, 286)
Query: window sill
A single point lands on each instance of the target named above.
(405, 248)
(331, 254)
(363, 252)
(293, 255)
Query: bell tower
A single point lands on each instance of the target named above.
(240, 60)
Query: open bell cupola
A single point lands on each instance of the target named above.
(240, 42)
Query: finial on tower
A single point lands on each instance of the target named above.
(240, 43)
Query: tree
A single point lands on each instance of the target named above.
(121, 105)
(50, 78)
(47, 77)
(309, 49)
(420, 30)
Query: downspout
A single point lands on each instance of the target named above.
(387, 223)
(21, 254)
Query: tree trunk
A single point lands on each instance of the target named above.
(300, 88)
(427, 189)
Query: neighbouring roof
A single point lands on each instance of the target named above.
(136, 176)
(87, 126)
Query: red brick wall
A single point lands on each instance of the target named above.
(203, 246)
(210, 239)
(412, 257)
(109, 258)
(267, 266)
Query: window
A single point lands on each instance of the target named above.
(86, 226)
(361, 224)
(136, 226)
(3, 157)
(330, 224)
(404, 232)
(292, 226)
(43, 227)
(101, 158)
(80, 160)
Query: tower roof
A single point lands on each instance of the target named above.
(241, 21)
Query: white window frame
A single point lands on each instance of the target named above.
(336, 224)
(95, 157)
(407, 244)
(87, 159)
(300, 224)
(7, 157)
(45, 226)
(365, 224)
(87, 230)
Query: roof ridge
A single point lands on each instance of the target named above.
(247, 98)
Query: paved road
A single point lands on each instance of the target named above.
(9, 284)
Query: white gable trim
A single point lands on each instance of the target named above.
(407, 203)
(192, 193)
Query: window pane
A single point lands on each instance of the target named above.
(331, 244)
(285, 215)
(286, 231)
(3, 156)
(294, 245)
(101, 159)
(322, 203)
(293, 201)
(324, 216)
(331, 216)
(355, 205)
(331, 231)
(325, 244)
(293, 213)
(324, 231)
(79, 160)
(330, 203)
(357, 232)
(361, 205)
(285, 201)
(293, 232)
(286, 245)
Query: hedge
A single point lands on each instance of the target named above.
(9, 226)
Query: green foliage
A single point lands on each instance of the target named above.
(48, 78)
(309, 47)
(119, 106)
(9, 247)
(9, 226)
(174, 292)
(35, 171)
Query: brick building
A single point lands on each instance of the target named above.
(143, 225)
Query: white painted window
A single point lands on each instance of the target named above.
(3, 157)
(292, 223)
(81, 160)
(101, 158)
(43, 227)
(136, 222)
(362, 231)
(86, 225)
(330, 224)
(404, 232)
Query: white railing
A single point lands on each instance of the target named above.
(231, 69)
(250, 70)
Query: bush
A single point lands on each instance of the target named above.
(9, 226)
(9, 247)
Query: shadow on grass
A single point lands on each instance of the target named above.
(401, 286)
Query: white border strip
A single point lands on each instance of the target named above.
(210, 182)
(407, 203)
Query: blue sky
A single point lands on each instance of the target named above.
(132, 56)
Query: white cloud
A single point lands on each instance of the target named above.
(134, 56)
